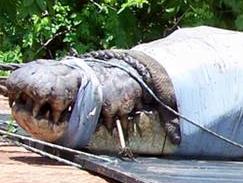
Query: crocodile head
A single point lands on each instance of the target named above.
(41, 95)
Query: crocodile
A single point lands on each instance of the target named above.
(80, 101)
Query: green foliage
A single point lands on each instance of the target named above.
(13, 55)
(31, 29)
(11, 126)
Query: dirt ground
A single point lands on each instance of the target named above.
(17, 165)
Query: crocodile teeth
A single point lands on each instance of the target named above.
(47, 114)
(11, 100)
(56, 114)
(70, 108)
(37, 108)
(17, 96)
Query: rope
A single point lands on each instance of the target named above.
(146, 87)
(51, 156)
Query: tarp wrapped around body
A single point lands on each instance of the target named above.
(205, 65)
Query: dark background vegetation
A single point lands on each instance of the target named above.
(31, 29)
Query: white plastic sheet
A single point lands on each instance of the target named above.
(86, 111)
(206, 68)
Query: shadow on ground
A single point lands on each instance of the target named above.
(36, 160)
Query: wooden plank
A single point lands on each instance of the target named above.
(166, 170)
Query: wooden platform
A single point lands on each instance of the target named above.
(159, 170)
(19, 165)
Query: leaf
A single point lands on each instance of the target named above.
(41, 4)
(8, 8)
(27, 3)
(28, 40)
(170, 10)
